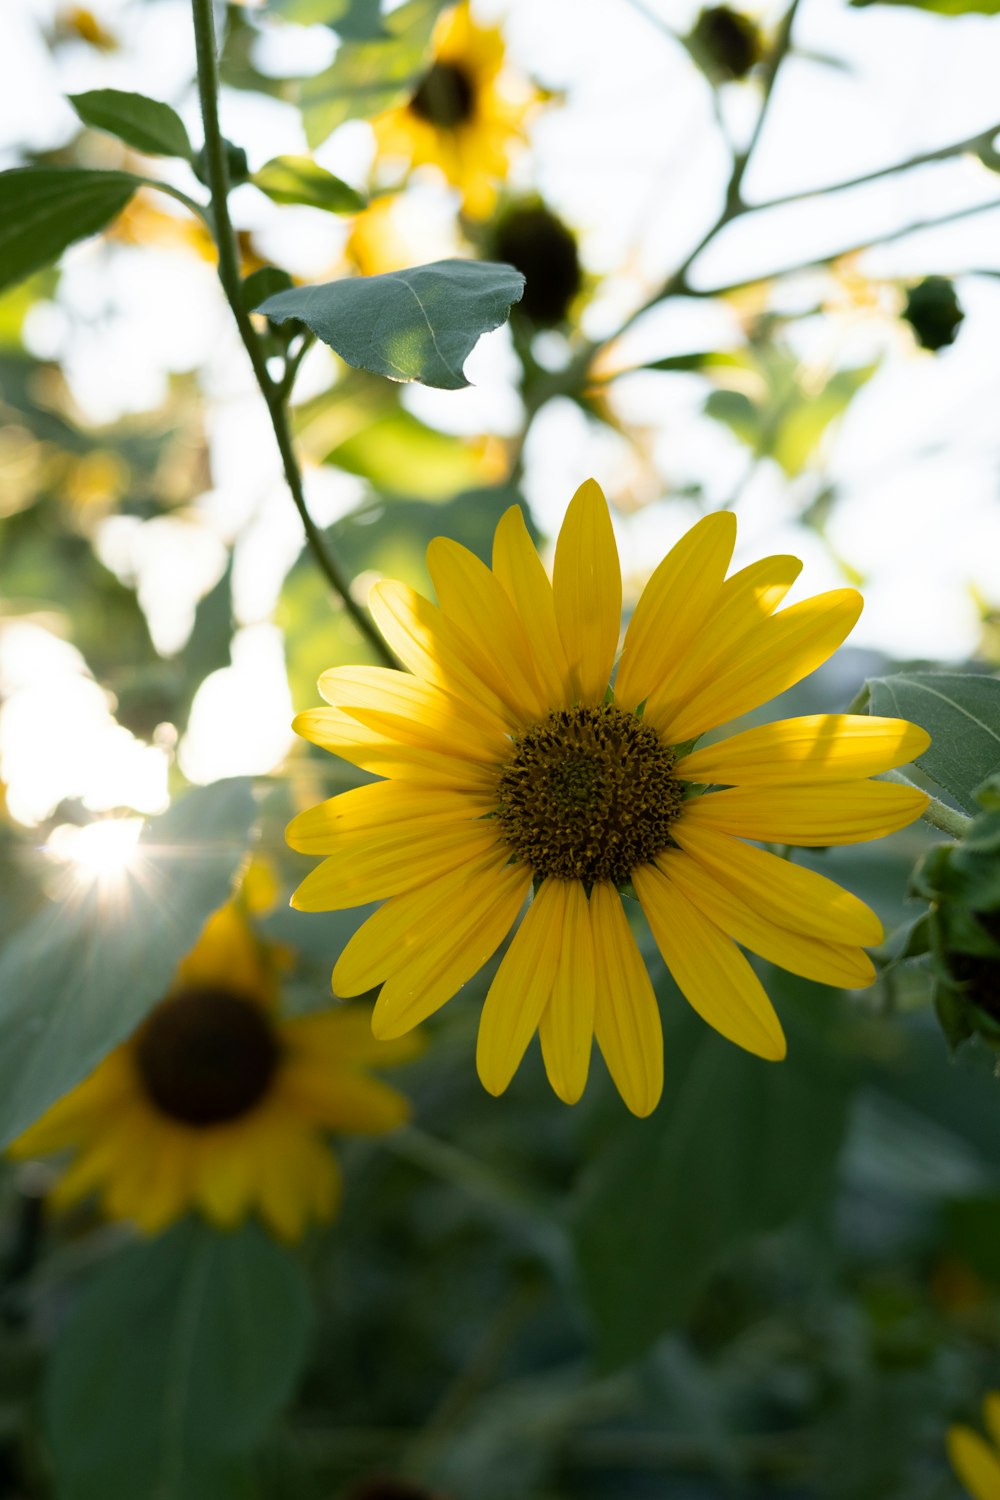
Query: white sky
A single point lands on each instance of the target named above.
(633, 159)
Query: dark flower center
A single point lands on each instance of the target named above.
(445, 96)
(538, 244)
(589, 794)
(206, 1055)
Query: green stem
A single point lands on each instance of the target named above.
(191, 204)
(860, 701)
(937, 813)
(217, 171)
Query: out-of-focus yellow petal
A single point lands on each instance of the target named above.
(587, 589)
(521, 988)
(709, 969)
(847, 812)
(626, 1017)
(228, 955)
(975, 1462)
(340, 1098)
(819, 747)
(674, 606)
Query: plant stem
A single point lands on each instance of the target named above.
(937, 813)
(274, 394)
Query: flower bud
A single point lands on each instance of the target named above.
(538, 244)
(236, 161)
(934, 312)
(728, 44)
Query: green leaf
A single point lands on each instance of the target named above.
(298, 179)
(738, 1147)
(264, 283)
(367, 77)
(354, 20)
(961, 713)
(942, 7)
(146, 124)
(173, 1364)
(420, 324)
(82, 975)
(45, 209)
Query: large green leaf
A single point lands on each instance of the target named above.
(45, 209)
(943, 7)
(82, 975)
(420, 324)
(367, 77)
(146, 124)
(737, 1148)
(961, 713)
(298, 179)
(354, 20)
(173, 1364)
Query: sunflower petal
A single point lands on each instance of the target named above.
(369, 868)
(519, 568)
(673, 607)
(819, 747)
(441, 967)
(708, 968)
(567, 1024)
(474, 600)
(521, 988)
(975, 1462)
(826, 963)
(838, 813)
(774, 656)
(341, 1099)
(383, 755)
(379, 806)
(587, 590)
(356, 690)
(626, 1017)
(788, 894)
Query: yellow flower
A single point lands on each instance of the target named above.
(975, 1461)
(463, 117)
(218, 1103)
(509, 765)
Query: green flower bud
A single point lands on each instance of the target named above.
(532, 239)
(934, 312)
(728, 44)
(236, 161)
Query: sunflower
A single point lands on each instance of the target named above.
(463, 116)
(976, 1461)
(217, 1103)
(511, 767)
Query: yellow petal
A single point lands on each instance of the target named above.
(519, 568)
(397, 931)
(774, 656)
(433, 647)
(743, 603)
(169, 1185)
(708, 968)
(380, 806)
(785, 893)
(587, 590)
(567, 1023)
(225, 1173)
(474, 600)
(341, 1098)
(440, 968)
(228, 954)
(819, 747)
(826, 963)
(295, 1175)
(383, 755)
(335, 1038)
(367, 867)
(521, 988)
(674, 606)
(838, 813)
(626, 1017)
(421, 704)
(975, 1462)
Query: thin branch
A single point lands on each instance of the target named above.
(217, 171)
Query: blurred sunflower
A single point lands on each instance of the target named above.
(510, 764)
(462, 117)
(218, 1103)
(976, 1461)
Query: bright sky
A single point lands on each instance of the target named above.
(633, 159)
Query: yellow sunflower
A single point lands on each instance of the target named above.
(463, 117)
(512, 766)
(976, 1461)
(218, 1103)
